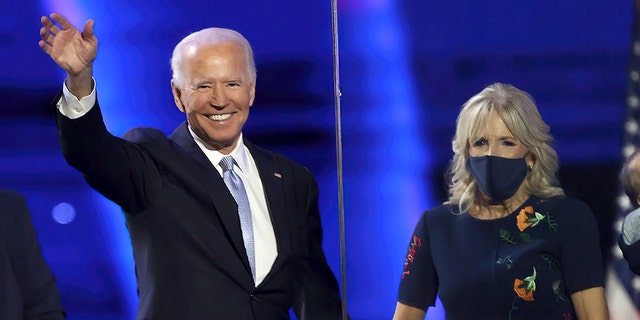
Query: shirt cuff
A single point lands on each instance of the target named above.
(631, 227)
(72, 108)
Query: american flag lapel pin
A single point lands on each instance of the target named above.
(277, 175)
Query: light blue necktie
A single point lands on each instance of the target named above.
(235, 185)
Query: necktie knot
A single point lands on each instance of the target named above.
(227, 163)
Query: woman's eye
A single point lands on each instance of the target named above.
(480, 143)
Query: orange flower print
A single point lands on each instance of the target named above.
(524, 220)
(525, 288)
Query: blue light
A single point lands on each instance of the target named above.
(386, 156)
(63, 213)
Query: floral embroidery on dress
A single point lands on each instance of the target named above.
(557, 292)
(551, 222)
(525, 288)
(506, 261)
(506, 236)
(529, 230)
(528, 218)
(551, 261)
(415, 243)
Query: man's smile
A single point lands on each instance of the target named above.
(219, 117)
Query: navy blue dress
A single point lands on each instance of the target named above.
(522, 266)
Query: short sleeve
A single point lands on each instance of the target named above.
(419, 283)
(581, 257)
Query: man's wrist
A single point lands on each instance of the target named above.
(80, 84)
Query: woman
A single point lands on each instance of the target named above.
(507, 244)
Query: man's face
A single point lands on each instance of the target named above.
(216, 93)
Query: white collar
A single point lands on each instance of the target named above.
(239, 153)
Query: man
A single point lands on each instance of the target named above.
(199, 252)
(27, 287)
(628, 240)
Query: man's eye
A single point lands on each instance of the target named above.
(203, 88)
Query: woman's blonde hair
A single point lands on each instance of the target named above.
(519, 113)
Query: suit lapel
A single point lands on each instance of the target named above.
(273, 179)
(221, 198)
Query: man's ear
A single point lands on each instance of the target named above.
(177, 95)
(252, 93)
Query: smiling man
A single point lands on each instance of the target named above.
(220, 228)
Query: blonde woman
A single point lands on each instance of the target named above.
(508, 244)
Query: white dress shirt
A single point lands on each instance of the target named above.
(264, 238)
(266, 249)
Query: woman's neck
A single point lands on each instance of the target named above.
(501, 210)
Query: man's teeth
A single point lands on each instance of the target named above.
(219, 117)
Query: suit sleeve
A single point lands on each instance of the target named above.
(36, 282)
(120, 170)
(317, 295)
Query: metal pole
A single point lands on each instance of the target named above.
(337, 95)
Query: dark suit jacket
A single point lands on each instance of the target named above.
(27, 287)
(185, 230)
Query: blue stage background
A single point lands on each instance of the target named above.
(406, 68)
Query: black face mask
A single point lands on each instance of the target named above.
(498, 178)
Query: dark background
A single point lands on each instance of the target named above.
(406, 67)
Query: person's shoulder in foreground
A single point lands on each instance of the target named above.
(27, 287)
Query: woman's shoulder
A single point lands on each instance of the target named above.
(436, 219)
(443, 211)
(564, 206)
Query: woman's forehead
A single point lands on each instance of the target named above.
(489, 124)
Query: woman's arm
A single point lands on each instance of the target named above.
(405, 312)
(590, 304)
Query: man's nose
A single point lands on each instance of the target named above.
(218, 96)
